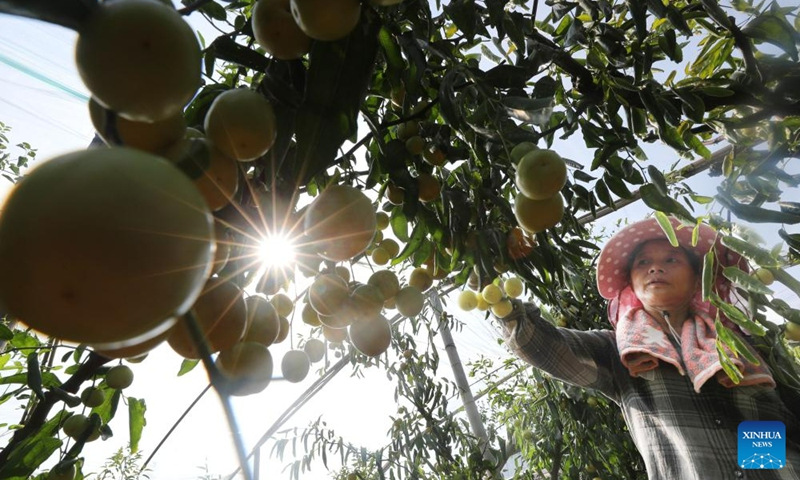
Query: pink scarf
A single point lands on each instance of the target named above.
(642, 344)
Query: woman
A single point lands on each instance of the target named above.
(660, 363)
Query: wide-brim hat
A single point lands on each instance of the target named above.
(612, 265)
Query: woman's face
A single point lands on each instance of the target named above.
(662, 276)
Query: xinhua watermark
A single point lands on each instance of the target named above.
(762, 445)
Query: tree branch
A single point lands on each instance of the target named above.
(685, 172)
(40, 413)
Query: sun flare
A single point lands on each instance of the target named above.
(276, 251)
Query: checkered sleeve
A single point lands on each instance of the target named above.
(582, 358)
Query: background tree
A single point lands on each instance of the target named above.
(422, 104)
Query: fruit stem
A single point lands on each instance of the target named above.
(219, 382)
(111, 130)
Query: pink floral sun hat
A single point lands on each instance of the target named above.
(612, 265)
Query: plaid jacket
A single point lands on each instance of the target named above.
(682, 435)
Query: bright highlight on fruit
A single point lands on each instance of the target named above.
(513, 287)
(340, 222)
(492, 294)
(467, 300)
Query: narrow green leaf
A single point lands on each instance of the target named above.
(746, 281)
(399, 224)
(666, 226)
(697, 145)
(187, 366)
(529, 110)
(464, 14)
(136, 421)
(417, 237)
(5, 333)
(617, 185)
(215, 11)
(756, 214)
(793, 240)
(49, 380)
(735, 342)
(717, 91)
(748, 250)
(108, 409)
(783, 276)
(658, 179)
(770, 28)
(736, 315)
(730, 369)
(29, 454)
(35, 375)
(602, 193)
(708, 274)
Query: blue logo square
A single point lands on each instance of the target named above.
(762, 445)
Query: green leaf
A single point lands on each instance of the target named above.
(187, 366)
(417, 237)
(617, 186)
(727, 365)
(755, 214)
(735, 342)
(336, 84)
(666, 226)
(746, 281)
(773, 29)
(748, 250)
(225, 48)
(697, 145)
(602, 193)
(5, 333)
(399, 224)
(783, 276)
(34, 379)
(708, 274)
(449, 107)
(215, 11)
(529, 110)
(638, 11)
(136, 421)
(671, 137)
(658, 179)
(108, 409)
(29, 454)
(49, 380)
(23, 340)
(736, 315)
(662, 203)
(464, 14)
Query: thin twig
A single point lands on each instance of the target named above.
(685, 172)
(172, 429)
(219, 382)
